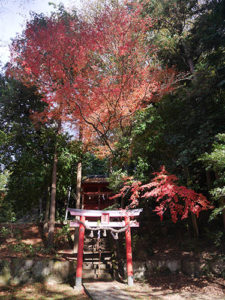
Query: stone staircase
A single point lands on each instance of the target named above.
(97, 259)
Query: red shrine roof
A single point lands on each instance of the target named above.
(95, 180)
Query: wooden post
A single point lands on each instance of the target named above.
(80, 254)
(130, 280)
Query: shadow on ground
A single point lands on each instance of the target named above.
(40, 291)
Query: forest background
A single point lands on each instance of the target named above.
(180, 127)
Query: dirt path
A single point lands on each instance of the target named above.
(175, 288)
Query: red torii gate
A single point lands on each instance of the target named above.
(105, 224)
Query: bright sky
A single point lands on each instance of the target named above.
(13, 16)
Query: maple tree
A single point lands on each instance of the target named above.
(125, 79)
(179, 200)
(51, 55)
(96, 75)
(99, 73)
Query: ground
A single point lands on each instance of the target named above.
(177, 287)
(27, 241)
(40, 291)
(174, 287)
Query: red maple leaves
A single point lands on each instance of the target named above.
(131, 188)
(95, 74)
(179, 200)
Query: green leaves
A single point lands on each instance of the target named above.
(216, 158)
(4, 177)
(116, 180)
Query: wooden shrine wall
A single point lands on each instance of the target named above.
(95, 195)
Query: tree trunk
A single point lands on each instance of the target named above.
(208, 179)
(40, 210)
(195, 225)
(79, 174)
(222, 204)
(51, 229)
(47, 206)
(224, 217)
(78, 195)
(53, 201)
(68, 202)
(193, 216)
(79, 179)
(78, 203)
(191, 65)
(189, 59)
(110, 165)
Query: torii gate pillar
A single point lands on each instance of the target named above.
(80, 254)
(130, 279)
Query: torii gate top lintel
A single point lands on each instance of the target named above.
(99, 213)
(105, 216)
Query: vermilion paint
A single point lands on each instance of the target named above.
(80, 253)
(129, 252)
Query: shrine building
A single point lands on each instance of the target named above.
(96, 193)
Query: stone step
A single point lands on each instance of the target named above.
(104, 261)
(96, 274)
(93, 259)
(96, 265)
(93, 244)
(94, 240)
(94, 250)
(104, 254)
